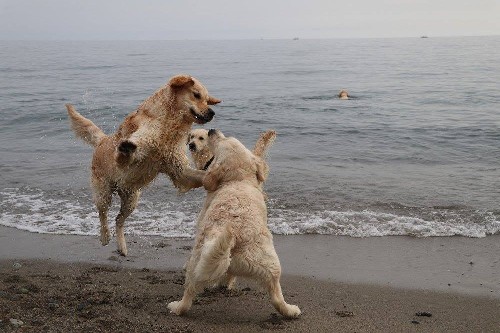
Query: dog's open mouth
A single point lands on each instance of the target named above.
(201, 119)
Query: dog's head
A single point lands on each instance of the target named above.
(197, 140)
(198, 146)
(192, 98)
(232, 162)
(343, 94)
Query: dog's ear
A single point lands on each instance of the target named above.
(212, 179)
(262, 170)
(180, 81)
(212, 100)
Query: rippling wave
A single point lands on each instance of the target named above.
(35, 211)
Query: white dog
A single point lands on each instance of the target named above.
(198, 146)
(232, 234)
(203, 156)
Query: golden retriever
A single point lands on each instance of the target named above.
(203, 157)
(198, 146)
(343, 94)
(150, 141)
(233, 238)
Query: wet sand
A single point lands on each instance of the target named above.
(56, 283)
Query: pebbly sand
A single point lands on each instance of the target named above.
(61, 283)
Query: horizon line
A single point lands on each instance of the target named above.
(238, 39)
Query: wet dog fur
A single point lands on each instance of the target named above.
(343, 94)
(150, 141)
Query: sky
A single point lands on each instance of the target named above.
(249, 19)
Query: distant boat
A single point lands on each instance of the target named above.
(424, 37)
(295, 38)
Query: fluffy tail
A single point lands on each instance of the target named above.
(215, 257)
(265, 141)
(84, 128)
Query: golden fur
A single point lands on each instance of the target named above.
(232, 235)
(149, 141)
(343, 94)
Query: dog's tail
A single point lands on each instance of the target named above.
(84, 128)
(215, 257)
(265, 141)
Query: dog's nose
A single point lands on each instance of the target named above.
(192, 146)
(210, 113)
(211, 131)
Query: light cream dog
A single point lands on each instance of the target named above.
(150, 141)
(232, 235)
(203, 157)
(198, 146)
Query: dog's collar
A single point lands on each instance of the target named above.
(208, 163)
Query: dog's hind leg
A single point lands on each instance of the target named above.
(278, 301)
(190, 291)
(272, 283)
(102, 199)
(262, 264)
(191, 288)
(128, 203)
(228, 281)
(205, 267)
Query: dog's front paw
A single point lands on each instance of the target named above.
(127, 147)
(177, 308)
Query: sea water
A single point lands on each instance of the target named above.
(415, 151)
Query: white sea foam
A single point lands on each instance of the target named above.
(368, 223)
(36, 213)
(33, 211)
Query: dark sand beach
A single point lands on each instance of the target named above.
(56, 283)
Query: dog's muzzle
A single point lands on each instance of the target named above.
(192, 146)
(203, 118)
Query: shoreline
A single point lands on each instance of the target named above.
(59, 283)
(469, 266)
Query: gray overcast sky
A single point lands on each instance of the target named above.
(223, 19)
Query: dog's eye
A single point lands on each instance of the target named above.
(201, 138)
(197, 94)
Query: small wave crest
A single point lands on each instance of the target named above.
(368, 223)
(35, 211)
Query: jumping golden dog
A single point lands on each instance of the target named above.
(150, 141)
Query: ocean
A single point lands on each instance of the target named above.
(416, 150)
